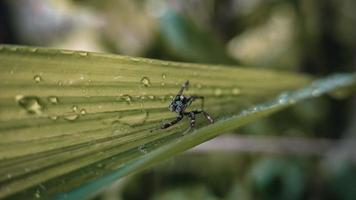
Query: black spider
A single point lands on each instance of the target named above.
(180, 103)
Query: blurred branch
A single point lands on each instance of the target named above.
(272, 145)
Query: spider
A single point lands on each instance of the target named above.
(180, 103)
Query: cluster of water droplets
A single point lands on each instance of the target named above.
(35, 105)
(75, 113)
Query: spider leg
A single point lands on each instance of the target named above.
(190, 99)
(206, 115)
(166, 125)
(184, 86)
(191, 116)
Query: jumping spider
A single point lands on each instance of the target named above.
(180, 103)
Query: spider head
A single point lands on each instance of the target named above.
(177, 105)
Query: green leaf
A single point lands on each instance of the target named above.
(76, 121)
(187, 41)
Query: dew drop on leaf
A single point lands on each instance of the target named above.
(146, 81)
(83, 53)
(53, 117)
(218, 92)
(31, 104)
(52, 99)
(283, 98)
(68, 52)
(235, 91)
(126, 98)
(37, 78)
(143, 149)
(75, 108)
(83, 112)
(71, 116)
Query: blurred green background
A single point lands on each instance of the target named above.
(305, 152)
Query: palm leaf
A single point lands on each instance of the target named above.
(72, 122)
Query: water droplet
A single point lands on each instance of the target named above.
(12, 72)
(83, 112)
(75, 108)
(52, 99)
(37, 78)
(100, 165)
(163, 76)
(218, 92)
(235, 91)
(163, 84)
(53, 117)
(199, 85)
(283, 98)
(83, 53)
(126, 98)
(31, 104)
(145, 81)
(68, 52)
(151, 97)
(143, 149)
(9, 176)
(60, 83)
(71, 116)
